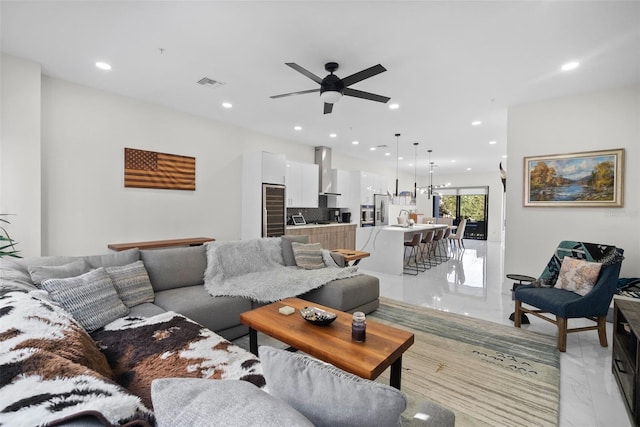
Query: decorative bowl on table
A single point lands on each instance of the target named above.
(317, 316)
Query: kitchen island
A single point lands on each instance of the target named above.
(335, 235)
(386, 245)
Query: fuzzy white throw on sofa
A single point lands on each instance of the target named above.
(255, 269)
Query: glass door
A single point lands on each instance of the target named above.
(471, 203)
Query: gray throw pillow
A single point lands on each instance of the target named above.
(328, 396)
(287, 250)
(132, 283)
(91, 298)
(175, 267)
(232, 403)
(39, 273)
(308, 255)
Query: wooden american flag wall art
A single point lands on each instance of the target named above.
(148, 169)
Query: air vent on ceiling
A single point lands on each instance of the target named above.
(210, 83)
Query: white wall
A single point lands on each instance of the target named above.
(85, 203)
(597, 121)
(20, 151)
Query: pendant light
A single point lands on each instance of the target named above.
(415, 170)
(397, 153)
(430, 189)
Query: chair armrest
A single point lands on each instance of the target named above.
(433, 415)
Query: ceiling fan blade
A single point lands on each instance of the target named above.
(328, 108)
(364, 74)
(366, 95)
(302, 92)
(305, 72)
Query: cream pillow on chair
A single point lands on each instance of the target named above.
(577, 275)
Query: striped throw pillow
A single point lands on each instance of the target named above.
(308, 255)
(91, 298)
(132, 283)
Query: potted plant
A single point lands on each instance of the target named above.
(7, 244)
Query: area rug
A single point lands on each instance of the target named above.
(487, 374)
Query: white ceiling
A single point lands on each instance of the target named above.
(449, 63)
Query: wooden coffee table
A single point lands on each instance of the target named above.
(332, 344)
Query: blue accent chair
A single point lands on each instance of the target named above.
(569, 305)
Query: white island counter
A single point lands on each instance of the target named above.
(386, 245)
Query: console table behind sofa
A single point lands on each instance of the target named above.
(155, 244)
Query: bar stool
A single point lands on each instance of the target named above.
(437, 239)
(426, 247)
(414, 245)
(444, 246)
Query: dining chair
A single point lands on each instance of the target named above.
(561, 292)
(457, 238)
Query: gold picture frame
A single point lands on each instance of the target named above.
(587, 179)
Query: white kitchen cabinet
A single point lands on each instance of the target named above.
(301, 180)
(273, 168)
(341, 180)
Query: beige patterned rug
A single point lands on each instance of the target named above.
(488, 374)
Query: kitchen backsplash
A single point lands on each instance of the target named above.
(321, 213)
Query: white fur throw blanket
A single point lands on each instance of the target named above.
(254, 269)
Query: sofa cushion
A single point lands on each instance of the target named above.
(39, 273)
(132, 283)
(329, 396)
(90, 298)
(113, 259)
(577, 275)
(199, 402)
(217, 313)
(287, 250)
(347, 294)
(175, 267)
(308, 255)
(146, 309)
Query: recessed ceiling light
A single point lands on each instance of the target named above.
(297, 127)
(493, 142)
(372, 148)
(504, 156)
(410, 164)
(333, 135)
(394, 106)
(227, 105)
(387, 154)
(355, 142)
(453, 161)
(468, 169)
(400, 158)
(103, 65)
(570, 66)
(476, 123)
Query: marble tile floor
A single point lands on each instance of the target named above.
(473, 283)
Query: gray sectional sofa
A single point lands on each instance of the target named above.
(176, 275)
(126, 345)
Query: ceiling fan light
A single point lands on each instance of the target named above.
(330, 96)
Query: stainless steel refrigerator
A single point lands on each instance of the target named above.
(381, 205)
(274, 213)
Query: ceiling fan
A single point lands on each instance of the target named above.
(333, 87)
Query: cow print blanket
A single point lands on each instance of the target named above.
(52, 371)
(169, 345)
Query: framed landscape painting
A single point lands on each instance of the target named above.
(592, 178)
